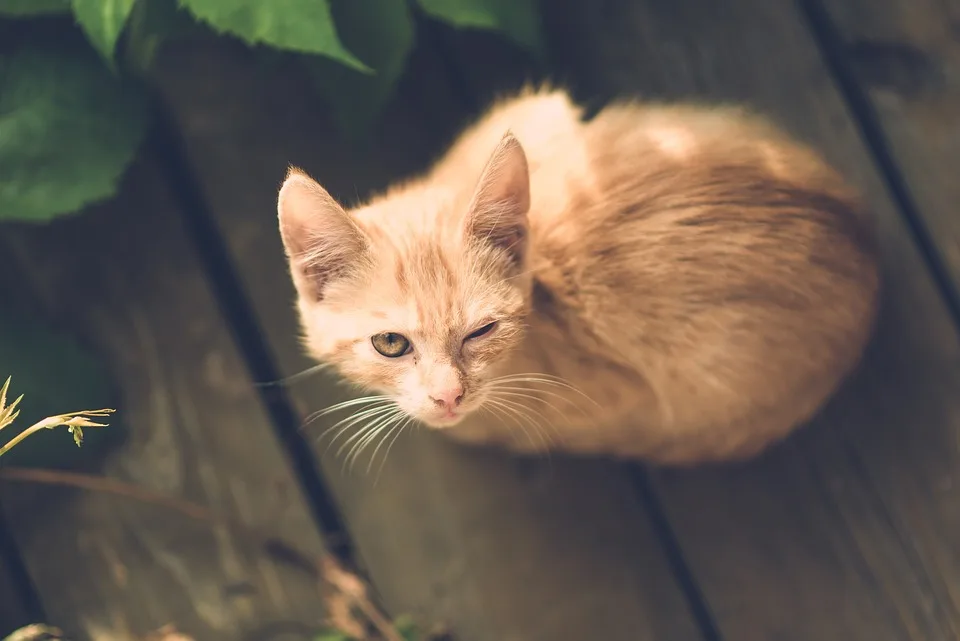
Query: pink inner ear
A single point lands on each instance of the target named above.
(498, 212)
(320, 238)
(509, 237)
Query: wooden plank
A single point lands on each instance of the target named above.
(497, 548)
(905, 56)
(17, 607)
(849, 530)
(130, 283)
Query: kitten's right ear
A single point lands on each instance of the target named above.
(321, 240)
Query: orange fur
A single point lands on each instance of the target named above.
(704, 280)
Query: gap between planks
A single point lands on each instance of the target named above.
(111, 568)
(846, 530)
(470, 537)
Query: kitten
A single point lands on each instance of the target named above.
(673, 283)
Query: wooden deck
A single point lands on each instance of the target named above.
(849, 531)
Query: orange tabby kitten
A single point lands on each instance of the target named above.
(673, 283)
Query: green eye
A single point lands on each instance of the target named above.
(390, 344)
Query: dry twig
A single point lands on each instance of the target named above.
(349, 592)
(74, 421)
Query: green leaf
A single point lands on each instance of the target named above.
(519, 20)
(56, 375)
(33, 7)
(298, 25)
(381, 32)
(68, 130)
(331, 636)
(152, 23)
(407, 628)
(103, 21)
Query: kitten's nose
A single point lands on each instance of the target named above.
(449, 397)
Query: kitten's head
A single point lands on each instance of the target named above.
(421, 294)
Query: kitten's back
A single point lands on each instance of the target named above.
(725, 262)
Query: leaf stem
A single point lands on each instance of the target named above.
(74, 422)
(36, 427)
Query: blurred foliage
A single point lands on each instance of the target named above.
(296, 25)
(54, 373)
(517, 19)
(382, 32)
(33, 7)
(68, 128)
(404, 627)
(73, 109)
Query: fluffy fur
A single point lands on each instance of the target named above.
(671, 282)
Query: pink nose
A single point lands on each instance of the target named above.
(449, 397)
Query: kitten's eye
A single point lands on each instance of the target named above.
(486, 329)
(390, 344)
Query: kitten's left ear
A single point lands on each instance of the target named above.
(498, 211)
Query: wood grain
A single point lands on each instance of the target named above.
(849, 530)
(16, 609)
(905, 55)
(128, 280)
(498, 548)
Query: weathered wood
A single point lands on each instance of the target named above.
(905, 55)
(129, 281)
(16, 609)
(848, 531)
(497, 548)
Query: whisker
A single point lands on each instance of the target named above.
(386, 453)
(353, 402)
(504, 412)
(540, 391)
(539, 375)
(359, 414)
(371, 424)
(498, 413)
(514, 411)
(545, 379)
(527, 410)
(373, 455)
(293, 378)
(544, 440)
(372, 434)
(398, 427)
(369, 414)
(364, 432)
(532, 415)
(513, 395)
(544, 433)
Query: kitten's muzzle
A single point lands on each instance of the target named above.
(443, 420)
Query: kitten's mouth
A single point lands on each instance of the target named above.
(445, 419)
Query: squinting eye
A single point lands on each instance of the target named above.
(390, 344)
(486, 329)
